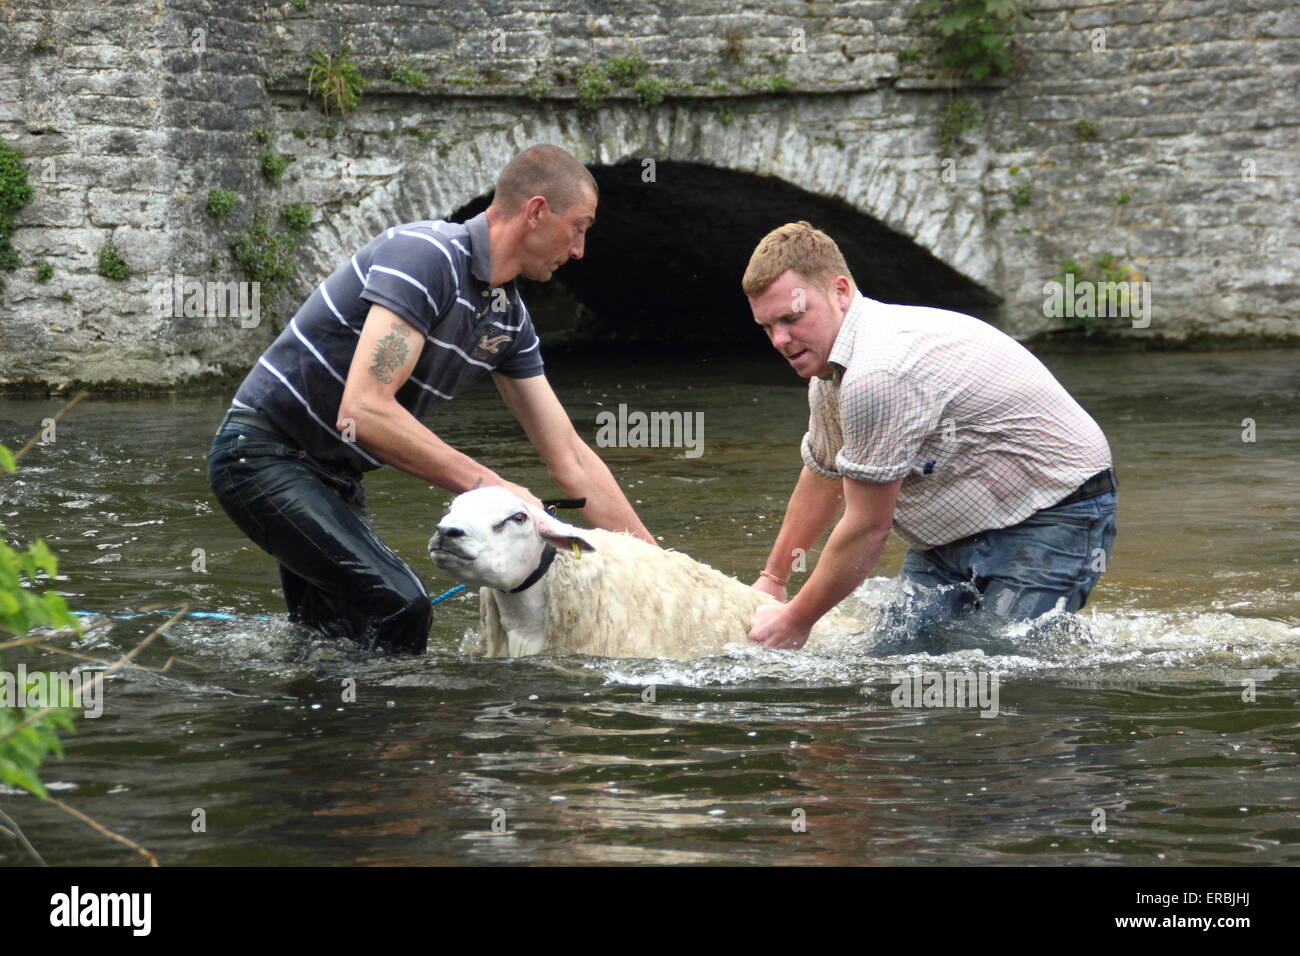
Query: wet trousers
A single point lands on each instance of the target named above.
(338, 577)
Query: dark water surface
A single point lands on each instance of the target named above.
(1135, 708)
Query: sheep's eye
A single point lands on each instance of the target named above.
(519, 517)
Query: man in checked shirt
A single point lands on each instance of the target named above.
(940, 426)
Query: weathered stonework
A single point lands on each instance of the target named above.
(132, 112)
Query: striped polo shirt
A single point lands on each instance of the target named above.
(978, 429)
(436, 276)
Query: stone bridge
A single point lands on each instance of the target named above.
(1162, 134)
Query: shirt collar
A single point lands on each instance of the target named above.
(480, 256)
(842, 350)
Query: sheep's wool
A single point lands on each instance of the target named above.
(630, 599)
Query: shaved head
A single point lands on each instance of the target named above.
(546, 171)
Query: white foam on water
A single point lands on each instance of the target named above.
(1108, 645)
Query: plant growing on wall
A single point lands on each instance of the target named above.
(958, 117)
(266, 256)
(111, 265)
(973, 37)
(274, 164)
(297, 215)
(403, 74)
(14, 194)
(538, 87)
(650, 91)
(221, 201)
(335, 79)
(772, 83)
(593, 86)
(1106, 269)
(625, 70)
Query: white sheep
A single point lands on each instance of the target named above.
(547, 586)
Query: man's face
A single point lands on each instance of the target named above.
(552, 238)
(802, 320)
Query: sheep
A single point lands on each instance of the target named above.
(547, 586)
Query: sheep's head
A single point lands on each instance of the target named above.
(490, 538)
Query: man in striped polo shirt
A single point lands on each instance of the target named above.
(413, 319)
(942, 427)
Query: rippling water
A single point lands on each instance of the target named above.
(1134, 707)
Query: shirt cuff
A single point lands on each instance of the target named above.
(805, 452)
(876, 474)
(531, 372)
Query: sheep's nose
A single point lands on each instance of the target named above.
(444, 532)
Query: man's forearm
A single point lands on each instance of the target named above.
(849, 555)
(395, 436)
(813, 505)
(587, 476)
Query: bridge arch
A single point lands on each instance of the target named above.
(671, 241)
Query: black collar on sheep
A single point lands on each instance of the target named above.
(548, 555)
(550, 504)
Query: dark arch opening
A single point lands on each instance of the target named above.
(664, 261)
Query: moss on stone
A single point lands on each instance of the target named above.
(221, 201)
(650, 91)
(403, 74)
(15, 192)
(297, 215)
(958, 117)
(274, 164)
(111, 265)
(593, 86)
(625, 70)
(266, 256)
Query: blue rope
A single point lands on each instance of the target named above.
(219, 616)
(446, 594)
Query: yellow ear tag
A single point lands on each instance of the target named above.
(577, 551)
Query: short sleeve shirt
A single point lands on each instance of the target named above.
(435, 275)
(980, 432)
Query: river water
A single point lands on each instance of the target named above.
(1170, 703)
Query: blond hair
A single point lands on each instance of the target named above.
(799, 246)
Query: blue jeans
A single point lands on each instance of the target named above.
(338, 577)
(961, 595)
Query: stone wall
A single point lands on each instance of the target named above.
(1175, 150)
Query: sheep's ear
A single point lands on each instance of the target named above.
(556, 532)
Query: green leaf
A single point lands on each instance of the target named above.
(43, 557)
(17, 776)
(7, 460)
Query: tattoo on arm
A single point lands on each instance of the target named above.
(390, 353)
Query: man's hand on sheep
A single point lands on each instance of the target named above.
(850, 553)
(778, 627)
(523, 494)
